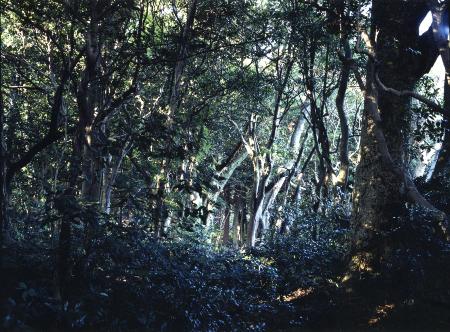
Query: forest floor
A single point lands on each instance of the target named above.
(186, 287)
(374, 308)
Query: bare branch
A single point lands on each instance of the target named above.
(406, 93)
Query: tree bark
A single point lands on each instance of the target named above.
(441, 39)
(342, 177)
(262, 161)
(82, 138)
(226, 226)
(110, 179)
(320, 135)
(224, 172)
(4, 199)
(380, 191)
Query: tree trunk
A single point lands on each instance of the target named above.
(342, 177)
(257, 202)
(80, 157)
(219, 180)
(378, 196)
(68, 207)
(442, 167)
(226, 226)
(4, 199)
(110, 179)
(441, 38)
(237, 222)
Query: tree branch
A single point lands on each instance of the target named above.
(53, 134)
(406, 93)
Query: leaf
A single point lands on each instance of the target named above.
(22, 285)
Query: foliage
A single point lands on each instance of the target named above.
(174, 164)
(310, 255)
(132, 281)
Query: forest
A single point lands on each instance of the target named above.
(224, 165)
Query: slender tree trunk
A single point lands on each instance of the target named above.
(160, 211)
(342, 177)
(88, 95)
(69, 209)
(110, 179)
(163, 213)
(237, 222)
(226, 226)
(182, 60)
(9, 128)
(296, 136)
(4, 199)
(269, 200)
(80, 157)
(265, 192)
(320, 135)
(244, 223)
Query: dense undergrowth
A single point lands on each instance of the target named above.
(128, 280)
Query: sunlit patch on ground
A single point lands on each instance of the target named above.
(381, 311)
(362, 262)
(297, 294)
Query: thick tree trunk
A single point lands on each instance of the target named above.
(378, 196)
(442, 167)
(441, 38)
(372, 185)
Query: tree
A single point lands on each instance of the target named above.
(439, 12)
(382, 183)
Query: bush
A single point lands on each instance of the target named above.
(132, 281)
